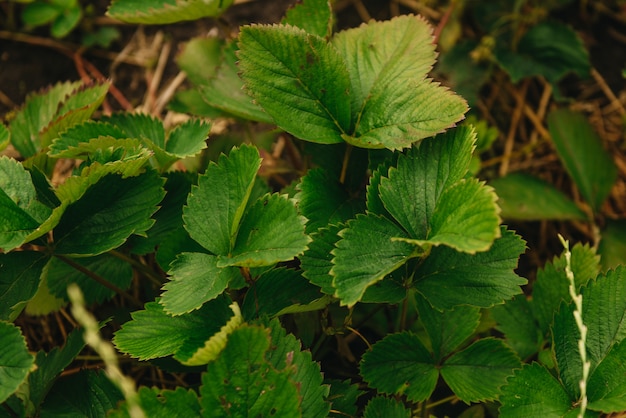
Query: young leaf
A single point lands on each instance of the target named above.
(271, 231)
(400, 364)
(533, 392)
(15, 360)
(448, 278)
(195, 280)
(314, 16)
(20, 274)
(382, 407)
(165, 11)
(477, 373)
(152, 333)
(241, 382)
(216, 206)
(388, 62)
(162, 403)
(299, 79)
(108, 213)
(316, 262)
(524, 197)
(365, 254)
(580, 149)
(21, 212)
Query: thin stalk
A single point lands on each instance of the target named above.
(346, 160)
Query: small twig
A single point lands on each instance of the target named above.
(607, 91)
(443, 22)
(168, 93)
(361, 10)
(520, 97)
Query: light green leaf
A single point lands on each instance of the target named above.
(241, 382)
(87, 393)
(216, 206)
(5, 136)
(612, 245)
(165, 11)
(516, 321)
(15, 360)
(524, 197)
(607, 383)
(382, 407)
(314, 16)
(163, 403)
(411, 191)
(21, 212)
(448, 278)
(393, 103)
(399, 364)
(152, 333)
(195, 279)
(138, 126)
(316, 262)
(534, 392)
(580, 149)
(447, 329)
(108, 213)
(365, 254)
(271, 231)
(60, 274)
(43, 302)
(299, 79)
(477, 373)
(20, 273)
(188, 139)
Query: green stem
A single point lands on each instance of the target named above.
(346, 160)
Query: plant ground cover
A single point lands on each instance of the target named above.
(519, 117)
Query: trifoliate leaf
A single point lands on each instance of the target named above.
(477, 373)
(316, 262)
(271, 231)
(533, 392)
(299, 79)
(195, 279)
(411, 190)
(165, 11)
(215, 207)
(108, 213)
(152, 333)
(400, 364)
(314, 16)
(448, 278)
(448, 329)
(15, 360)
(365, 254)
(162, 403)
(241, 382)
(61, 272)
(20, 274)
(21, 212)
(393, 104)
(382, 407)
(524, 197)
(580, 149)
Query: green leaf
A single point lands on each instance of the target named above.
(411, 191)
(365, 254)
(195, 279)
(39, 13)
(316, 262)
(21, 212)
(477, 373)
(516, 321)
(280, 291)
(138, 126)
(163, 403)
(66, 22)
(324, 200)
(20, 273)
(87, 393)
(400, 364)
(108, 213)
(188, 139)
(580, 149)
(152, 333)
(607, 383)
(612, 246)
(43, 302)
(382, 407)
(215, 207)
(299, 79)
(5, 136)
(271, 231)
(165, 11)
(61, 272)
(314, 16)
(343, 396)
(548, 49)
(241, 382)
(448, 329)
(393, 104)
(15, 360)
(448, 278)
(527, 198)
(534, 392)
(67, 143)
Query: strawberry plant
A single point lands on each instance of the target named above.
(373, 285)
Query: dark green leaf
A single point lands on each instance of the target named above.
(316, 262)
(516, 321)
(382, 407)
(66, 22)
(343, 397)
(157, 403)
(612, 245)
(15, 360)
(607, 383)
(20, 274)
(39, 13)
